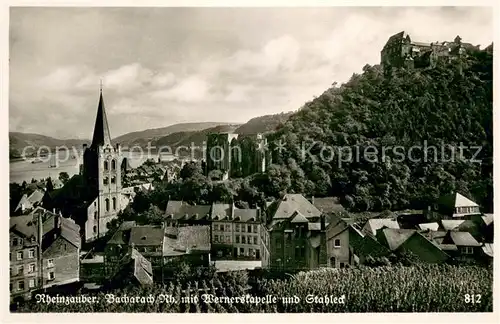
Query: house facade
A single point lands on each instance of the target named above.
(44, 252)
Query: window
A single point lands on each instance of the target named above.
(106, 165)
(20, 270)
(31, 253)
(237, 239)
(255, 228)
(95, 215)
(113, 165)
(468, 250)
(221, 227)
(113, 179)
(336, 243)
(33, 239)
(31, 268)
(228, 239)
(237, 227)
(216, 238)
(94, 229)
(243, 228)
(107, 204)
(255, 240)
(20, 241)
(242, 251)
(51, 275)
(228, 228)
(342, 265)
(114, 203)
(14, 241)
(20, 285)
(31, 283)
(249, 228)
(243, 239)
(19, 255)
(50, 263)
(105, 180)
(221, 238)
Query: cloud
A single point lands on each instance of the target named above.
(217, 68)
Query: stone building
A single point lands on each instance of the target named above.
(401, 51)
(235, 155)
(44, 252)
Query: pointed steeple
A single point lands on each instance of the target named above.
(101, 129)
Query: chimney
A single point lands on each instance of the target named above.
(232, 210)
(258, 213)
(312, 200)
(323, 225)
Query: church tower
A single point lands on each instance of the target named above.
(102, 174)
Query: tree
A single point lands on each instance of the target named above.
(64, 177)
(190, 170)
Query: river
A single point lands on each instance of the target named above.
(26, 170)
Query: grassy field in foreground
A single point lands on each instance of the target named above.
(421, 288)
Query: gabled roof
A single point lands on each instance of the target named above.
(395, 237)
(487, 219)
(290, 203)
(146, 235)
(461, 239)
(450, 224)
(36, 196)
(455, 200)
(297, 217)
(429, 226)
(185, 239)
(141, 267)
(122, 234)
(24, 201)
(70, 231)
(221, 210)
(488, 249)
(101, 135)
(377, 223)
(245, 215)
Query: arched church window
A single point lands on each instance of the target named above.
(105, 180)
(113, 180)
(106, 167)
(114, 203)
(113, 165)
(107, 204)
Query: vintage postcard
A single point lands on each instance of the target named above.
(167, 159)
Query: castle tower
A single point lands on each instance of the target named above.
(102, 172)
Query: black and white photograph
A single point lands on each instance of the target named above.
(232, 159)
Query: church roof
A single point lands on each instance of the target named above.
(101, 129)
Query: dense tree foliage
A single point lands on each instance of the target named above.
(385, 141)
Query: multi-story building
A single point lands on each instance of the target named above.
(296, 235)
(400, 50)
(235, 232)
(44, 252)
(453, 206)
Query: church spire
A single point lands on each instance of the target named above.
(101, 129)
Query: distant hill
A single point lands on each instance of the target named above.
(19, 141)
(263, 124)
(174, 136)
(142, 137)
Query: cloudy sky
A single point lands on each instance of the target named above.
(168, 65)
